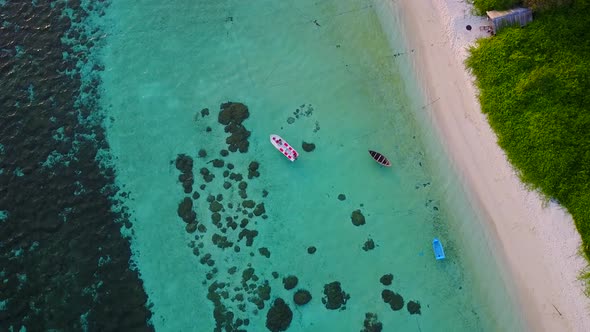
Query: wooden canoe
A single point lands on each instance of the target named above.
(381, 159)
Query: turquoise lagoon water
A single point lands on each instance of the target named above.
(344, 66)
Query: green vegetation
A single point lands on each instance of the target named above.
(534, 85)
(481, 6)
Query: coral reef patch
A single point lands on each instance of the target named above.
(372, 323)
(279, 316)
(334, 297)
(358, 219)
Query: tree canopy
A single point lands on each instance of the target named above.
(534, 85)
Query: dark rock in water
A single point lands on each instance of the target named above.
(264, 252)
(253, 170)
(204, 112)
(395, 300)
(226, 185)
(372, 323)
(219, 197)
(187, 181)
(221, 241)
(275, 274)
(210, 198)
(205, 259)
(334, 297)
(308, 147)
(369, 245)
(208, 129)
(248, 203)
(191, 227)
(238, 140)
(202, 153)
(233, 225)
(243, 185)
(311, 250)
(185, 210)
(301, 297)
(414, 308)
(215, 206)
(290, 282)
(218, 163)
(249, 235)
(184, 163)
(196, 195)
(259, 209)
(263, 292)
(230, 166)
(264, 193)
(279, 316)
(290, 120)
(207, 175)
(224, 153)
(386, 279)
(358, 218)
(342, 197)
(243, 194)
(236, 177)
(247, 274)
(244, 223)
(233, 113)
(253, 166)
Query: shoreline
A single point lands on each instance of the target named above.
(538, 244)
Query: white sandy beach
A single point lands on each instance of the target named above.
(537, 243)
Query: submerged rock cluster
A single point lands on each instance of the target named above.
(223, 216)
(358, 219)
(279, 316)
(232, 115)
(224, 213)
(302, 297)
(395, 301)
(386, 279)
(414, 307)
(372, 323)
(308, 147)
(334, 297)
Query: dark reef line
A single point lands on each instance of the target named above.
(63, 261)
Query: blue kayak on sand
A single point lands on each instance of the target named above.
(439, 252)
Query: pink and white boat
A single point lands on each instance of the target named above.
(284, 147)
